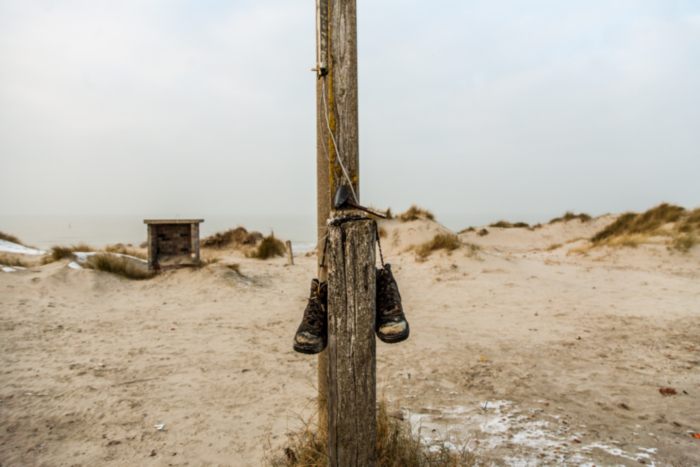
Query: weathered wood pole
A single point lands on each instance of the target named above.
(323, 186)
(290, 256)
(352, 385)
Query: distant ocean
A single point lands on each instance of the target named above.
(46, 231)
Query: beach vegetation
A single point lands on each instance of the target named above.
(237, 237)
(61, 252)
(468, 229)
(447, 242)
(118, 265)
(9, 260)
(647, 224)
(269, 248)
(397, 445)
(554, 246)
(414, 213)
(381, 231)
(482, 233)
(126, 250)
(679, 226)
(9, 238)
(507, 225)
(570, 216)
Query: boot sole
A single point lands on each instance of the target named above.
(308, 350)
(395, 339)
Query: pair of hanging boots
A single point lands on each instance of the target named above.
(391, 324)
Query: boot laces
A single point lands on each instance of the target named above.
(313, 315)
(388, 294)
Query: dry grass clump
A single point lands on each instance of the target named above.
(397, 446)
(446, 242)
(7, 260)
(60, 252)
(554, 246)
(237, 236)
(382, 232)
(118, 265)
(468, 229)
(508, 225)
(414, 213)
(482, 233)
(569, 216)
(632, 229)
(125, 250)
(9, 238)
(268, 248)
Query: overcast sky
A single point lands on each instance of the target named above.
(505, 108)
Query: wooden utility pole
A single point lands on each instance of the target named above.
(347, 369)
(323, 185)
(352, 367)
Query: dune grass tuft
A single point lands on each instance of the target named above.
(7, 260)
(468, 229)
(397, 446)
(482, 233)
(125, 250)
(60, 252)
(9, 238)
(554, 246)
(665, 220)
(414, 213)
(446, 242)
(268, 248)
(237, 236)
(646, 223)
(507, 225)
(569, 216)
(118, 265)
(382, 232)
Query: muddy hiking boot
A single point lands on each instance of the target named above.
(312, 335)
(392, 326)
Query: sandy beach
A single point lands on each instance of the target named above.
(532, 356)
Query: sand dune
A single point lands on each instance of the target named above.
(545, 357)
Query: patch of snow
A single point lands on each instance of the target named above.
(74, 265)
(499, 424)
(10, 247)
(8, 269)
(82, 256)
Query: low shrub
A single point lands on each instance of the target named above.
(468, 229)
(268, 248)
(414, 213)
(482, 233)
